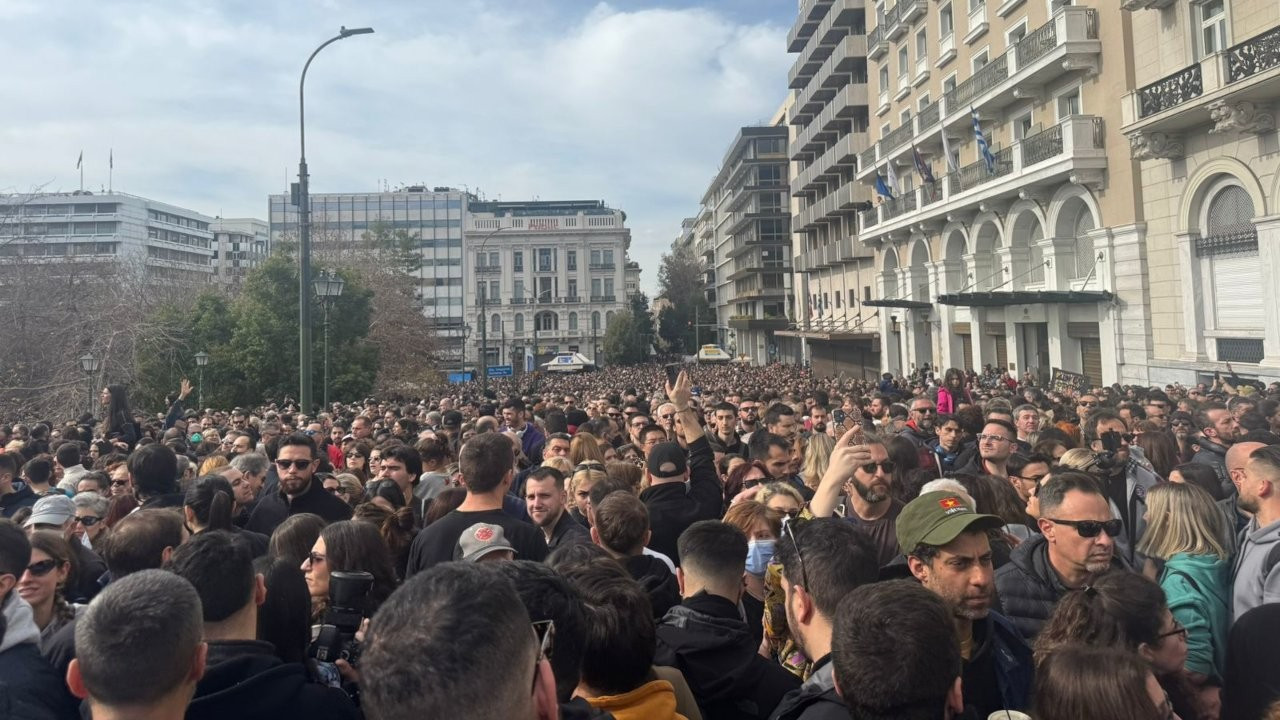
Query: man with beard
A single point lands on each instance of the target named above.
(299, 491)
(949, 553)
(1257, 566)
(1077, 543)
(1125, 476)
(864, 462)
(919, 429)
(1218, 430)
(546, 499)
(822, 561)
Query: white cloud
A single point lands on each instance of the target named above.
(199, 101)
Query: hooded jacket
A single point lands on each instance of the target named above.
(29, 687)
(708, 641)
(658, 581)
(655, 700)
(1256, 579)
(1029, 587)
(245, 680)
(1198, 591)
(816, 699)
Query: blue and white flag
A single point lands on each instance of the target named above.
(882, 187)
(983, 149)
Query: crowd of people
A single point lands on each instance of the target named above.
(653, 543)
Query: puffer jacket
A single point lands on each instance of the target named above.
(1198, 590)
(1029, 587)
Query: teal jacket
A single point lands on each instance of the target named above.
(1198, 590)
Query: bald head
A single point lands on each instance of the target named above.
(1238, 455)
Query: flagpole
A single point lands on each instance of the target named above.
(111, 169)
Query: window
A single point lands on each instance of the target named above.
(481, 290)
(493, 259)
(976, 4)
(769, 175)
(482, 260)
(571, 259)
(946, 21)
(949, 84)
(980, 60)
(904, 118)
(838, 300)
(853, 298)
(608, 257)
(1069, 103)
(517, 290)
(595, 320)
(573, 287)
(866, 293)
(769, 146)
(1022, 126)
(595, 257)
(904, 61)
(519, 322)
(545, 289)
(608, 287)
(573, 321)
(884, 77)
(495, 290)
(596, 287)
(1016, 34)
(546, 260)
(517, 261)
(1212, 16)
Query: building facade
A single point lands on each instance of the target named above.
(239, 245)
(829, 120)
(433, 217)
(1201, 123)
(543, 278)
(743, 236)
(160, 242)
(1007, 219)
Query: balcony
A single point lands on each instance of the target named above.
(992, 74)
(760, 293)
(1072, 150)
(520, 301)
(877, 44)
(811, 11)
(776, 267)
(604, 298)
(894, 28)
(845, 63)
(603, 266)
(928, 117)
(897, 136)
(840, 155)
(571, 299)
(912, 10)
(748, 322)
(1229, 85)
(843, 19)
(488, 269)
(835, 119)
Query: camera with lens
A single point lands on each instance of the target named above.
(335, 638)
(1106, 460)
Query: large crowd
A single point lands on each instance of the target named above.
(649, 543)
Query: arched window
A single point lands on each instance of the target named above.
(495, 323)
(573, 321)
(547, 321)
(595, 320)
(608, 318)
(519, 322)
(1230, 274)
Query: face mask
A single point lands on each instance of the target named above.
(759, 555)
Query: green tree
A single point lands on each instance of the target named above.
(681, 281)
(623, 343)
(642, 321)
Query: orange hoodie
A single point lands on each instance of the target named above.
(654, 700)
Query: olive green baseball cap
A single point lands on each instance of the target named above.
(937, 518)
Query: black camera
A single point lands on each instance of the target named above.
(335, 638)
(1106, 460)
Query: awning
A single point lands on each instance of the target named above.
(908, 304)
(1024, 297)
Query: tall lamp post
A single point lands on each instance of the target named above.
(202, 359)
(304, 230)
(328, 288)
(90, 364)
(484, 318)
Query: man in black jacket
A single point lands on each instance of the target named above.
(682, 490)
(244, 678)
(299, 491)
(822, 561)
(1077, 543)
(622, 529)
(705, 637)
(546, 500)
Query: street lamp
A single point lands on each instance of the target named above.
(328, 287)
(90, 364)
(202, 359)
(484, 319)
(304, 230)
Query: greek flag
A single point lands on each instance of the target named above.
(983, 148)
(882, 187)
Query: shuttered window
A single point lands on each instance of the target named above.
(1091, 359)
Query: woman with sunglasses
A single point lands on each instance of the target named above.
(42, 583)
(91, 511)
(1128, 611)
(348, 546)
(357, 460)
(1185, 534)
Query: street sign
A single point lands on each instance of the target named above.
(500, 371)
(460, 377)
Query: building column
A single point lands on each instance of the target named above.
(1060, 252)
(1014, 258)
(1269, 257)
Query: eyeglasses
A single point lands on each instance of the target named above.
(88, 520)
(924, 411)
(1087, 404)
(787, 530)
(1091, 528)
(1032, 478)
(353, 456)
(119, 483)
(993, 438)
(887, 466)
(314, 558)
(335, 490)
(296, 464)
(615, 415)
(544, 632)
(42, 568)
(1177, 630)
(588, 465)
(667, 416)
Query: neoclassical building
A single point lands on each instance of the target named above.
(1030, 255)
(1202, 125)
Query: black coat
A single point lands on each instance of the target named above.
(706, 639)
(1029, 587)
(674, 506)
(245, 680)
(816, 699)
(658, 581)
(1253, 665)
(272, 509)
(29, 687)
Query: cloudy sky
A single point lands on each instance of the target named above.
(628, 101)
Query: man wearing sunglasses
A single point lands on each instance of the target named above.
(920, 428)
(1126, 476)
(1078, 542)
(860, 468)
(299, 491)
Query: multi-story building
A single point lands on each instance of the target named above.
(543, 278)
(239, 245)
(158, 241)
(829, 117)
(1024, 249)
(431, 216)
(743, 236)
(1201, 123)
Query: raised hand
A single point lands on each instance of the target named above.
(184, 389)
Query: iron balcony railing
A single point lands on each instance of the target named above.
(1258, 53)
(1037, 44)
(991, 75)
(928, 116)
(1171, 91)
(1042, 146)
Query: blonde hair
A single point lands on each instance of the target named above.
(1183, 519)
(1078, 459)
(213, 462)
(817, 457)
(770, 490)
(593, 471)
(560, 463)
(584, 447)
